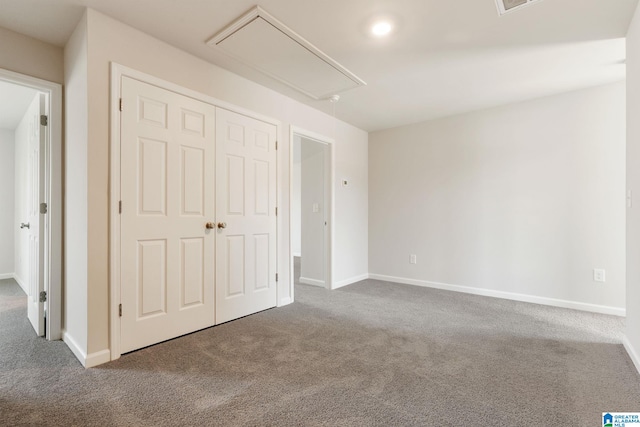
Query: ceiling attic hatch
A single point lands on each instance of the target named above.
(506, 6)
(260, 41)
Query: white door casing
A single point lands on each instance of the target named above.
(246, 207)
(167, 193)
(36, 221)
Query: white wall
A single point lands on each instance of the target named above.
(109, 40)
(351, 206)
(26, 55)
(312, 264)
(524, 199)
(633, 184)
(76, 193)
(7, 194)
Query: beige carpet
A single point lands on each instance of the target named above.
(370, 354)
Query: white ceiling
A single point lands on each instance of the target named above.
(14, 101)
(444, 57)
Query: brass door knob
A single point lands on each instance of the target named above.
(210, 225)
(222, 225)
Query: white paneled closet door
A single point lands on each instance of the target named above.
(168, 184)
(246, 215)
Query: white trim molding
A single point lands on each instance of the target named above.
(312, 282)
(5, 276)
(633, 354)
(97, 358)
(350, 281)
(90, 360)
(20, 282)
(593, 308)
(74, 347)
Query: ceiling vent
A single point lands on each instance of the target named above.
(260, 41)
(506, 6)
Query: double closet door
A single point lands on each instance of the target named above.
(198, 220)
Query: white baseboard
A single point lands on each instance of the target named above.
(88, 361)
(21, 283)
(635, 356)
(602, 309)
(4, 276)
(98, 358)
(350, 281)
(75, 348)
(312, 282)
(296, 255)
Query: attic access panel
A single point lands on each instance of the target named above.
(262, 42)
(505, 6)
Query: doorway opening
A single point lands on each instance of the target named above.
(30, 185)
(311, 209)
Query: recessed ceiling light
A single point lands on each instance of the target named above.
(381, 28)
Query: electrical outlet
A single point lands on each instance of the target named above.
(413, 259)
(598, 275)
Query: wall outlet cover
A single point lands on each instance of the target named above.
(598, 275)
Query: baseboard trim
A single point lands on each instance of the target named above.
(98, 358)
(296, 255)
(75, 348)
(88, 361)
(20, 283)
(312, 282)
(602, 309)
(635, 357)
(350, 281)
(4, 276)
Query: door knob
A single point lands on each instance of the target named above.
(23, 225)
(222, 225)
(210, 225)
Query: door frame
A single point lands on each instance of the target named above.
(330, 177)
(119, 71)
(53, 196)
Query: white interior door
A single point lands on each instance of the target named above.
(36, 225)
(167, 253)
(246, 204)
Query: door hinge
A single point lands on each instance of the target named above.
(120, 310)
(276, 145)
(276, 277)
(276, 211)
(44, 120)
(120, 206)
(120, 105)
(43, 208)
(43, 296)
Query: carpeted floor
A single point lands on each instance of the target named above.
(369, 354)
